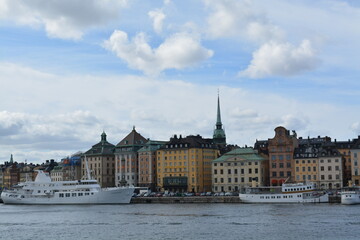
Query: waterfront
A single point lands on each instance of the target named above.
(180, 221)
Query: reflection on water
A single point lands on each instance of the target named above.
(181, 221)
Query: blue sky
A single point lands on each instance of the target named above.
(71, 69)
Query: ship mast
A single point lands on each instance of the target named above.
(87, 169)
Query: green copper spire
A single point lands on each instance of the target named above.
(218, 117)
(219, 136)
(103, 137)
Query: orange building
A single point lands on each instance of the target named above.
(281, 151)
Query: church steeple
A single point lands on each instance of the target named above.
(219, 136)
(218, 116)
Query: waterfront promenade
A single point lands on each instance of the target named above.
(203, 199)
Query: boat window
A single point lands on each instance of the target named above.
(278, 196)
(80, 194)
(92, 193)
(73, 194)
(67, 195)
(61, 195)
(86, 194)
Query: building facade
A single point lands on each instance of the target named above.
(57, 174)
(239, 168)
(184, 164)
(101, 162)
(281, 151)
(147, 164)
(127, 160)
(330, 169)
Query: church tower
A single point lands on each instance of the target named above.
(219, 136)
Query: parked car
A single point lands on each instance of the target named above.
(208, 193)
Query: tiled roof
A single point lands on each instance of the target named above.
(133, 138)
(248, 154)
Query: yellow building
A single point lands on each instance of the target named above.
(184, 164)
(307, 169)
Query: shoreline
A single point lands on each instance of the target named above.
(203, 199)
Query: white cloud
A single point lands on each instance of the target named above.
(229, 18)
(67, 19)
(179, 51)
(46, 121)
(355, 127)
(281, 59)
(158, 17)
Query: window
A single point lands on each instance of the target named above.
(281, 165)
(273, 165)
(215, 171)
(229, 171)
(281, 174)
(274, 174)
(229, 180)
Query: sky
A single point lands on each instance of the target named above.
(71, 69)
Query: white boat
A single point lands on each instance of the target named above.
(45, 191)
(350, 196)
(287, 193)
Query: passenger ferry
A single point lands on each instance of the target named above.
(350, 196)
(44, 191)
(287, 193)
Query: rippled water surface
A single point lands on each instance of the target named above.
(181, 221)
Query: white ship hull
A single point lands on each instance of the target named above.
(104, 196)
(283, 198)
(350, 197)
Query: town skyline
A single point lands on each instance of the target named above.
(65, 78)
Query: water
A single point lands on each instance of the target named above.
(181, 221)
